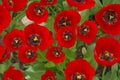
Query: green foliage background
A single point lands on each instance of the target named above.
(36, 69)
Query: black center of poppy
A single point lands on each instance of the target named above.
(10, 2)
(106, 56)
(67, 36)
(16, 42)
(110, 17)
(80, 1)
(63, 22)
(57, 52)
(78, 76)
(84, 30)
(39, 10)
(49, 78)
(34, 40)
(30, 54)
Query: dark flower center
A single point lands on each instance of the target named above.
(80, 1)
(39, 10)
(10, 2)
(49, 78)
(106, 56)
(84, 30)
(30, 54)
(78, 76)
(67, 36)
(110, 17)
(34, 40)
(57, 52)
(64, 22)
(16, 42)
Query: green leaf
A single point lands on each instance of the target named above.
(16, 20)
(106, 2)
(69, 53)
(34, 75)
(38, 66)
(49, 23)
(3, 67)
(85, 15)
(30, 69)
(95, 78)
(112, 75)
(90, 55)
(96, 8)
(41, 56)
(115, 68)
(49, 65)
(117, 1)
(0, 1)
(107, 76)
(79, 43)
(114, 72)
(60, 76)
(119, 74)
(98, 3)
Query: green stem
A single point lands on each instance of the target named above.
(103, 73)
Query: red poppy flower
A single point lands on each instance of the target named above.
(5, 18)
(14, 5)
(49, 75)
(27, 54)
(87, 31)
(79, 70)
(107, 51)
(37, 13)
(14, 39)
(66, 37)
(12, 74)
(67, 18)
(38, 36)
(4, 53)
(109, 19)
(81, 4)
(55, 55)
(48, 2)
